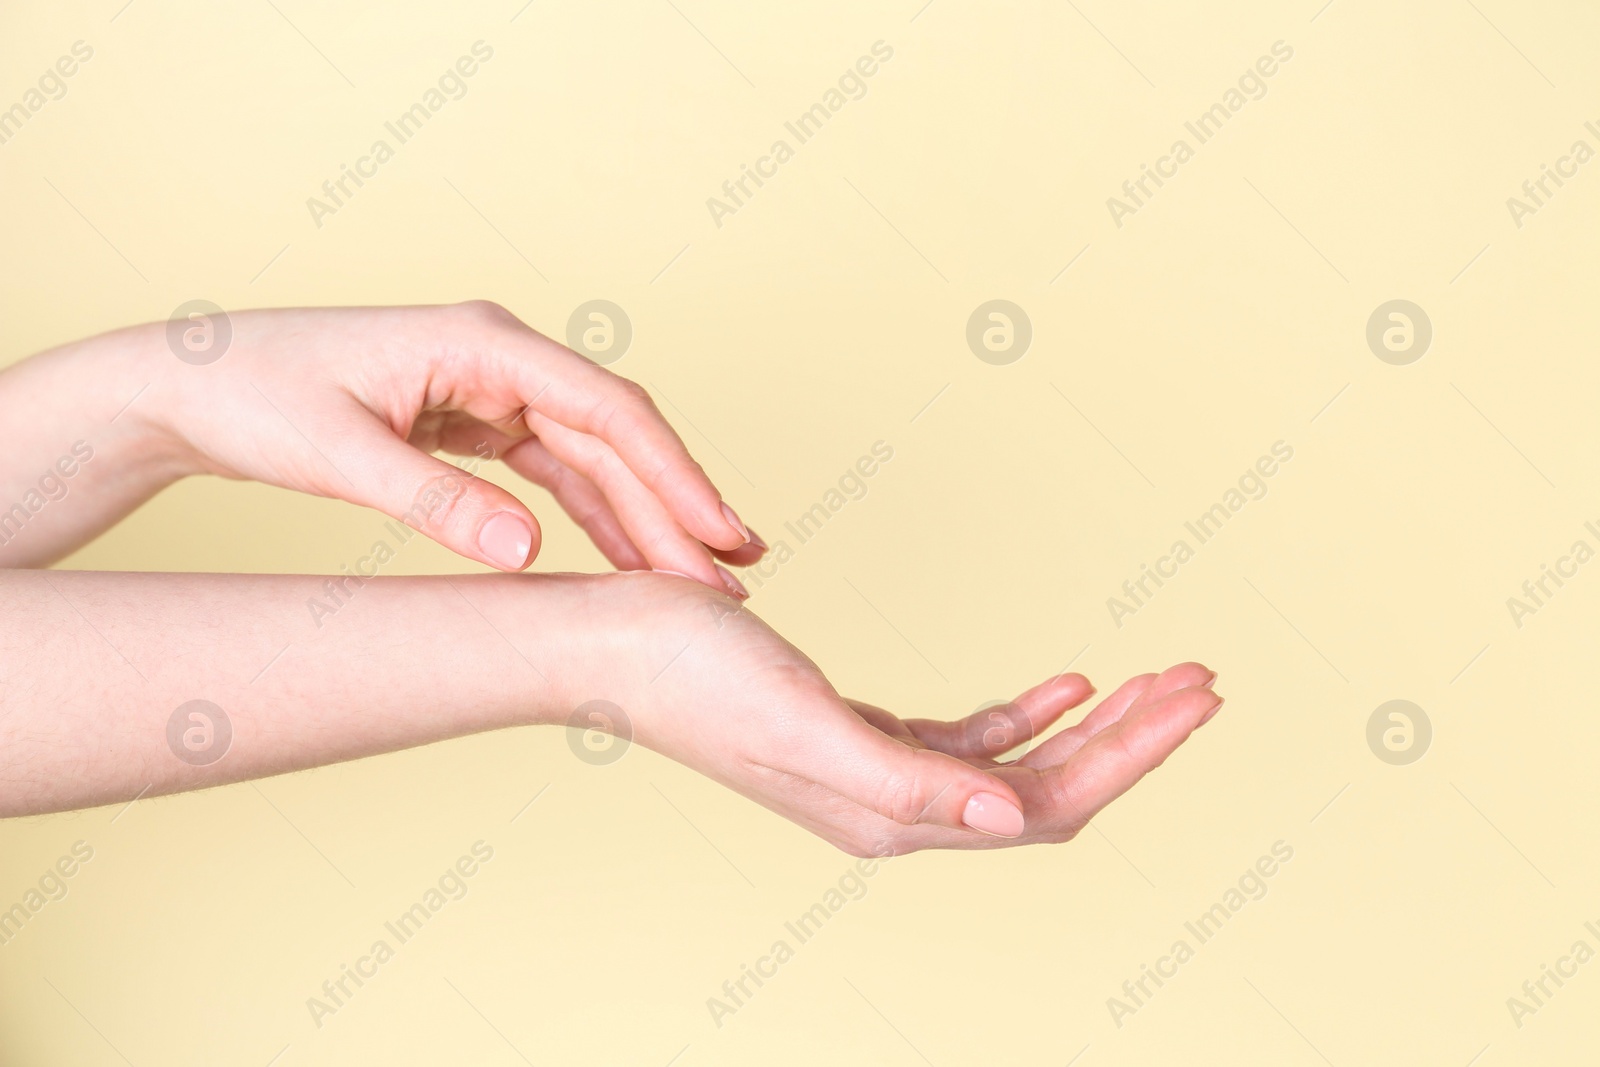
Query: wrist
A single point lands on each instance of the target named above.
(558, 638)
(598, 637)
(128, 373)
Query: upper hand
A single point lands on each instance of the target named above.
(350, 402)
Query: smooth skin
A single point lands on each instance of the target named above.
(349, 403)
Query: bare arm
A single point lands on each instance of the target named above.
(80, 453)
(94, 667)
(114, 686)
(99, 672)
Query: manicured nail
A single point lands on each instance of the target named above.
(993, 815)
(506, 540)
(735, 586)
(733, 520)
(755, 539)
(1214, 709)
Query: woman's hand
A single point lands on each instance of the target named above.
(712, 686)
(350, 402)
(699, 679)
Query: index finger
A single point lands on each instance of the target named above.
(558, 383)
(1065, 797)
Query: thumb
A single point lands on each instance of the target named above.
(450, 504)
(914, 786)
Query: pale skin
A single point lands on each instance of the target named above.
(349, 403)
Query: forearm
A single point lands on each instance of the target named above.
(96, 664)
(80, 453)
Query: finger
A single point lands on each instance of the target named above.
(1132, 694)
(992, 732)
(665, 544)
(466, 514)
(580, 499)
(1104, 714)
(908, 786)
(460, 434)
(1062, 799)
(563, 386)
(744, 555)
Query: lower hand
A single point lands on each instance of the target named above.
(712, 686)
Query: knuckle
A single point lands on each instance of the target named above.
(900, 799)
(1064, 798)
(442, 501)
(487, 312)
(995, 731)
(632, 393)
(632, 405)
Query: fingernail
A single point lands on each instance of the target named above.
(506, 540)
(993, 815)
(733, 520)
(1214, 709)
(1207, 684)
(735, 586)
(755, 539)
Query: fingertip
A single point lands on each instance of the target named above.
(734, 585)
(1052, 698)
(1075, 681)
(984, 782)
(743, 556)
(737, 534)
(1194, 704)
(1190, 672)
(508, 540)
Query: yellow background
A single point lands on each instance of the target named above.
(822, 317)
